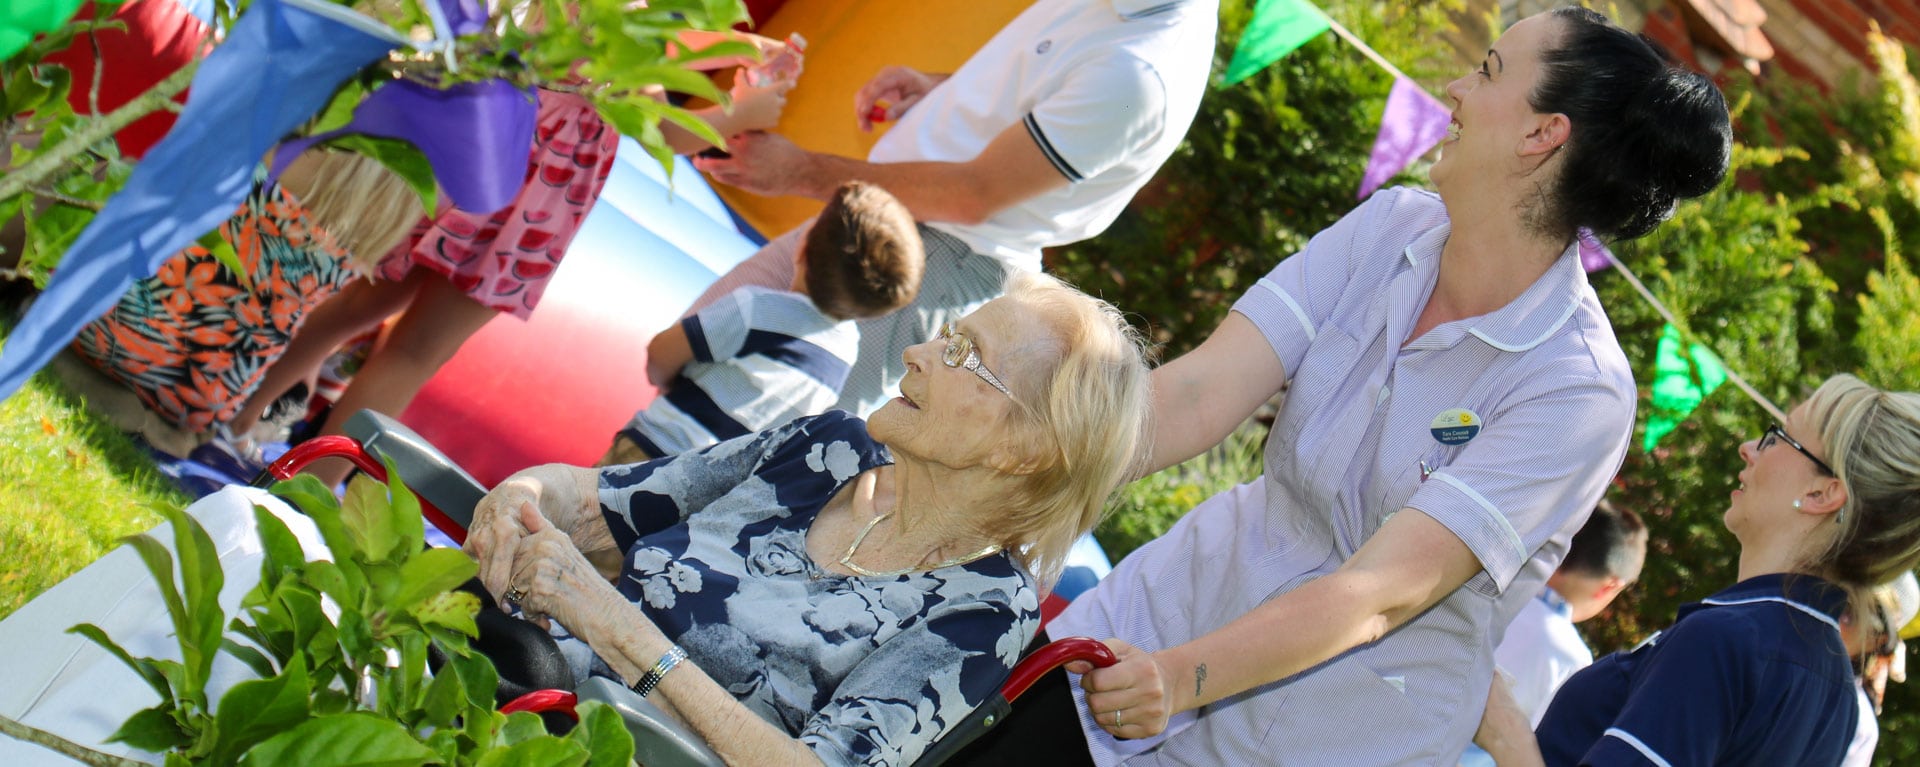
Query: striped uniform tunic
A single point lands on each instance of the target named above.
(761, 358)
(1505, 428)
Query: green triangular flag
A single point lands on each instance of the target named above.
(1676, 392)
(1277, 28)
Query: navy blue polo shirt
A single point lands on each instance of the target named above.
(1753, 675)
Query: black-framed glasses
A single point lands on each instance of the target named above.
(1775, 432)
(961, 354)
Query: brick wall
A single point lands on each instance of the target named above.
(1822, 40)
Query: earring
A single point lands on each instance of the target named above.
(1796, 504)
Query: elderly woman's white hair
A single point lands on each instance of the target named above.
(1082, 394)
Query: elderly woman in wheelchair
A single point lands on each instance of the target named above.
(834, 591)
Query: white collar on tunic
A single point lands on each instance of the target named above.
(1528, 320)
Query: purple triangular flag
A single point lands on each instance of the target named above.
(1412, 124)
(1593, 255)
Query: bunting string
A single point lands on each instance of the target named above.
(1738, 381)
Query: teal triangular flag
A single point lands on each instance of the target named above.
(1278, 27)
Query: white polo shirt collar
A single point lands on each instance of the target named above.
(1522, 324)
(1140, 9)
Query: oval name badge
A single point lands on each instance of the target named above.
(1456, 426)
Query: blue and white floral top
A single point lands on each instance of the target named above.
(862, 670)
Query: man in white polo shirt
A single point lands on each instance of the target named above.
(1038, 140)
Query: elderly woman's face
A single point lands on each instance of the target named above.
(956, 398)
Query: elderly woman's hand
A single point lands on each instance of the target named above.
(494, 536)
(1131, 698)
(551, 578)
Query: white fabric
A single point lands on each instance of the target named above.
(1554, 398)
(67, 685)
(1541, 649)
(1866, 733)
(1106, 88)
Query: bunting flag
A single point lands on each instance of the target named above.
(1593, 255)
(1676, 388)
(475, 135)
(280, 64)
(1413, 123)
(21, 20)
(1277, 28)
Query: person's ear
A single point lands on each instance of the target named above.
(1828, 496)
(1550, 133)
(1609, 586)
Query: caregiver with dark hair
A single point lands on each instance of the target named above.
(1456, 404)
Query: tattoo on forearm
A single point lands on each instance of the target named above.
(1199, 678)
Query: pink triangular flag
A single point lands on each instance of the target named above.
(1413, 122)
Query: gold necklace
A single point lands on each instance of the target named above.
(846, 560)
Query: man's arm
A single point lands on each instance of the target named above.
(667, 353)
(1009, 170)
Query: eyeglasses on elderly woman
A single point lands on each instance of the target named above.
(961, 354)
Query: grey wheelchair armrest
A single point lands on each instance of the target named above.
(429, 472)
(658, 740)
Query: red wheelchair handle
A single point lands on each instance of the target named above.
(542, 701)
(1056, 654)
(331, 446)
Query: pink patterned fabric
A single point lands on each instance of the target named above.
(504, 259)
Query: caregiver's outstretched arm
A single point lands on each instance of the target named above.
(1199, 398)
(1409, 565)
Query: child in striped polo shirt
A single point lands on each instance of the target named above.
(759, 358)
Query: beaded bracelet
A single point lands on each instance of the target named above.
(659, 671)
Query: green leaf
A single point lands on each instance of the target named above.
(333, 580)
(202, 577)
(604, 734)
(142, 666)
(401, 157)
(522, 726)
(152, 729)
(430, 573)
(255, 660)
(477, 676)
(317, 502)
(216, 245)
(446, 743)
(282, 554)
(450, 609)
(540, 751)
(160, 564)
(254, 710)
(368, 518)
(409, 525)
(444, 700)
(342, 740)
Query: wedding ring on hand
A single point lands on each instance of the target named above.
(514, 595)
(1116, 719)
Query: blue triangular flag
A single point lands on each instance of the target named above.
(280, 64)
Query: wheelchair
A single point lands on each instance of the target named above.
(533, 678)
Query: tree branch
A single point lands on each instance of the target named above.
(68, 200)
(49, 161)
(64, 747)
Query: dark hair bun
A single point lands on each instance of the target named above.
(1646, 133)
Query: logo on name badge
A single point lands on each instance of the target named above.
(1456, 426)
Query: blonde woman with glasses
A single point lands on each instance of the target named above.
(834, 591)
(1827, 510)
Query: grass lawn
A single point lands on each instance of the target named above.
(70, 487)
